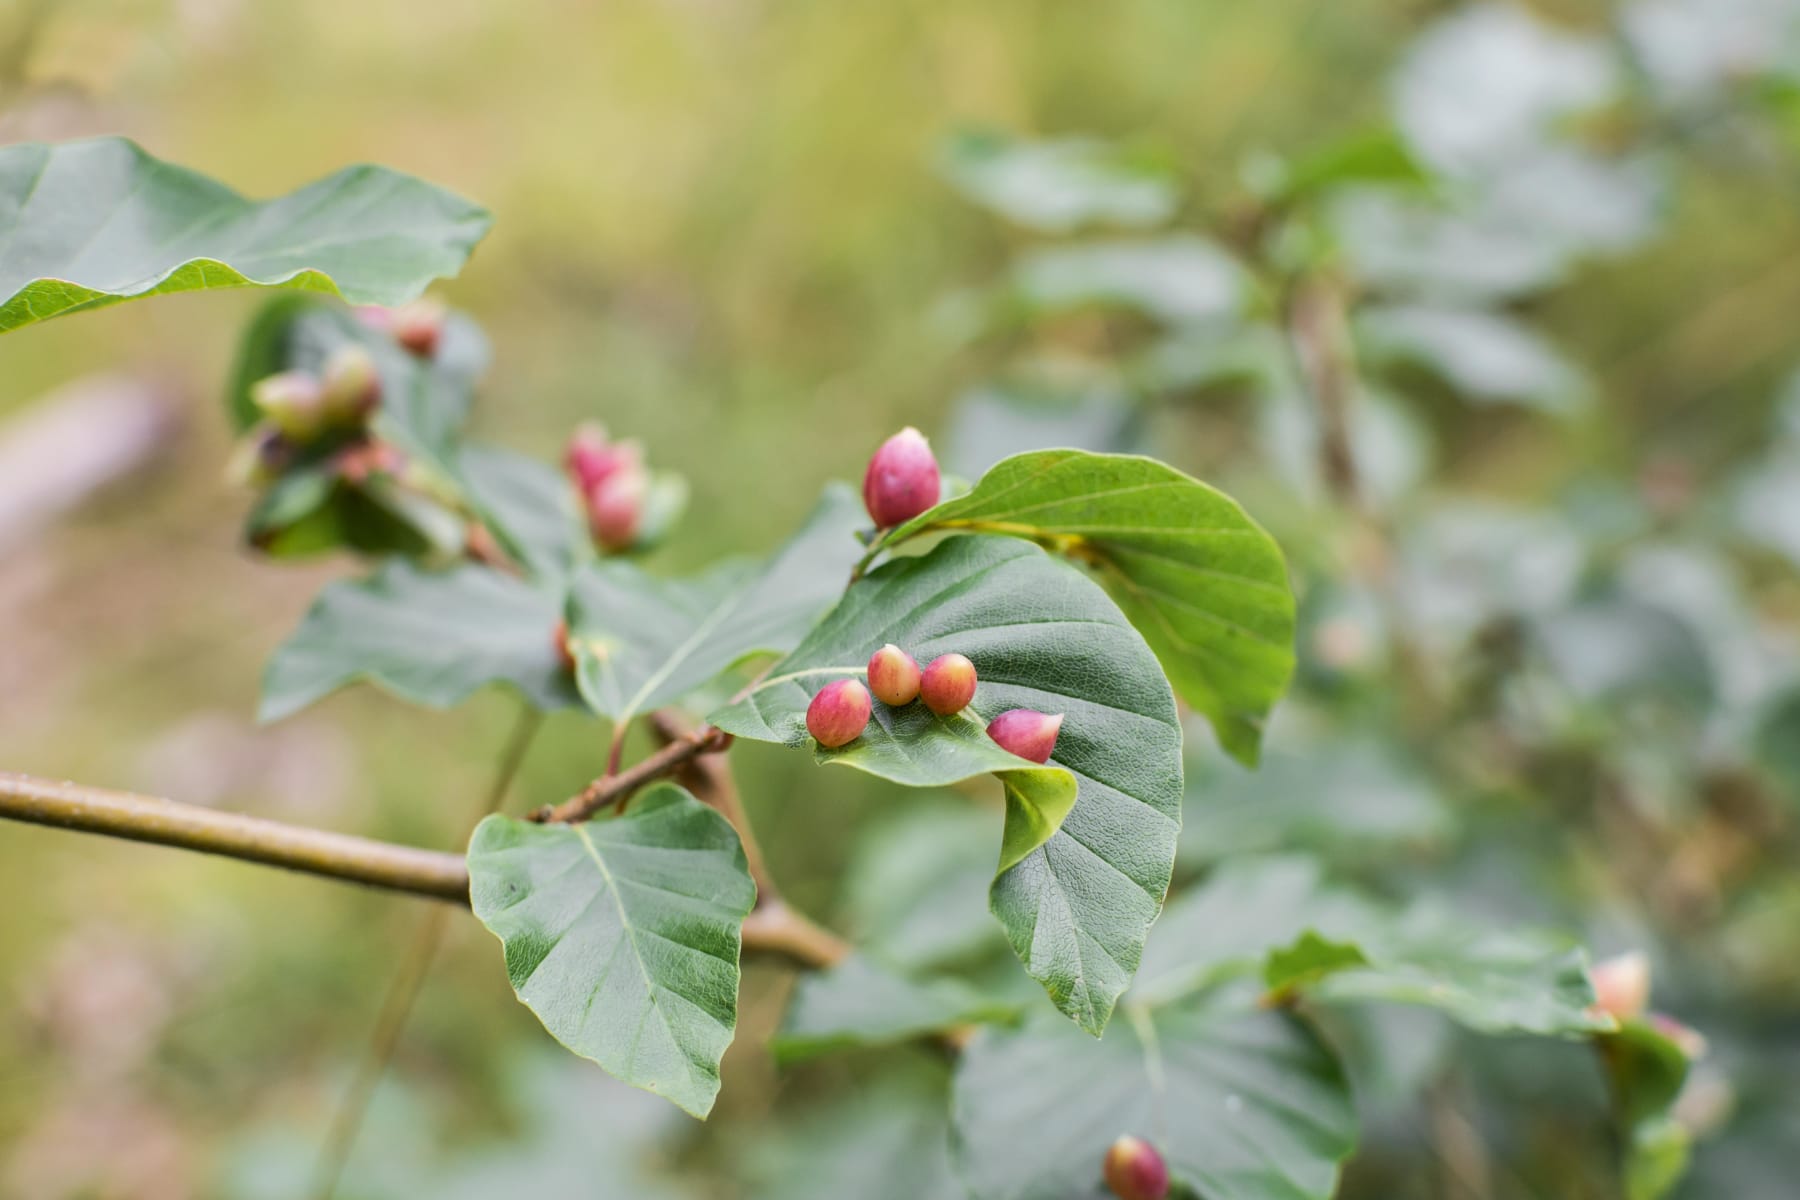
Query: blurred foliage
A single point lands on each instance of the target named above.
(1545, 552)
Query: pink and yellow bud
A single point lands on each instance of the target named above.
(948, 684)
(418, 326)
(893, 676)
(616, 509)
(839, 713)
(1621, 985)
(1026, 733)
(1135, 1171)
(352, 386)
(902, 480)
(293, 402)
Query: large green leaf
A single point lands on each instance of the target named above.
(431, 637)
(531, 506)
(860, 1002)
(1201, 580)
(91, 223)
(642, 642)
(1244, 1104)
(622, 935)
(1076, 893)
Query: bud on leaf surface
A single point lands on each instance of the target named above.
(838, 714)
(1135, 1171)
(616, 509)
(418, 326)
(948, 684)
(893, 676)
(352, 386)
(1026, 733)
(902, 479)
(293, 401)
(1622, 985)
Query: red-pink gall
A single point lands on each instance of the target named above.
(948, 684)
(1135, 1171)
(1622, 985)
(893, 676)
(902, 480)
(352, 386)
(1026, 733)
(418, 326)
(839, 713)
(294, 403)
(616, 509)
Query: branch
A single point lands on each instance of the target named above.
(438, 875)
(1320, 339)
(611, 788)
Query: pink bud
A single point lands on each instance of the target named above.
(418, 326)
(893, 676)
(1026, 733)
(1687, 1039)
(591, 459)
(352, 386)
(293, 401)
(948, 684)
(360, 460)
(902, 479)
(838, 714)
(616, 508)
(1135, 1171)
(1622, 985)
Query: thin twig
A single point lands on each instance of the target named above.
(434, 874)
(710, 779)
(1319, 335)
(403, 990)
(609, 789)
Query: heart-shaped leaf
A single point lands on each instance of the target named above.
(860, 1002)
(622, 935)
(1078, 887)
(431, 637)
(1201, 580)
(1244, 1104)
(91, 223)
(642, 642)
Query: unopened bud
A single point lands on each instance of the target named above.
(839, 713)
(1135, 1171)
(418, 326)
(352, 386)
(592, 459)
(259, 458)
(616, 509)
(902, 479)
(893, 676)
(360, 460)
(294, 403)
(948, 684)
(565, 652)
(1689, 1040)
(1622, 985)
(1026, 733)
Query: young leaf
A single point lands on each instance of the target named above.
(622, 935)
(1076, 893)
(91, 223)
(1058, 186)
(642, 642)
(1202, 581)
(860, 1002)
(431, 637)
(1243, 1104)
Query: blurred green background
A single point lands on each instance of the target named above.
(721, 226)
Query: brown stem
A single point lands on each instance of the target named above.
(1318, 332)
(609, 789)
(435, 874)
(710, 779)
(408, 981)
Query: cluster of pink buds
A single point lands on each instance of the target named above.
(614, 484)
(841, 710)
(304, 415)
(1135, 1171)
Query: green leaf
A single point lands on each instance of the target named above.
(91, 223)
(642, 642)
(1656, 1159)
(531, 507)
(1243, 1104)
(1201, 580)
(1178, 280)
(1488, 357)
(431, 637)
(915, 876)
(1058, 185)
(1309, 960)
(860, 1002)
(622, 935)
(1372, 156)
(1076, 893)
(1645, 1069)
